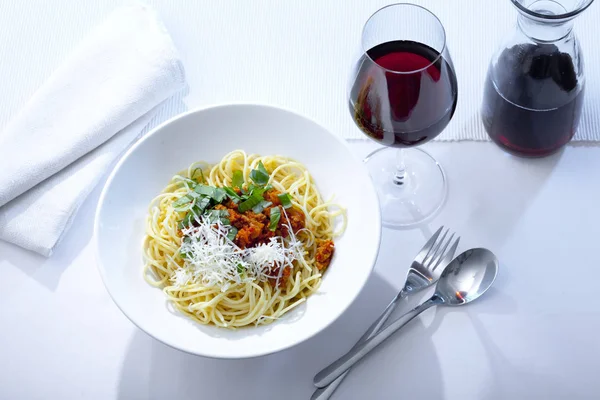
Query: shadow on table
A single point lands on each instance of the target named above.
(504, 373)
(81, 231)
(495, 189)
(156, 371)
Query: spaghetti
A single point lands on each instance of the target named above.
(241, 242)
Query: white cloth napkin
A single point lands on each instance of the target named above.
(56, 149)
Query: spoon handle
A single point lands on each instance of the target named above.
(337, 368)
(326, 392)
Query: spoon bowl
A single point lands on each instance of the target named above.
(467, 277)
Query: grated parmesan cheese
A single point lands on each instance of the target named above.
(181, 277)
(213, 260)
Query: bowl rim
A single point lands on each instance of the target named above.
(213, 354)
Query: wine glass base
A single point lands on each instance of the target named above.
(418, 197)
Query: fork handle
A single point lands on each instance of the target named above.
(381, 320)
(337, 368)
(326, 392)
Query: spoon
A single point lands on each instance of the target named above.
(466, 278)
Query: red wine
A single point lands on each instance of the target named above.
(532, 100)
(405, 93)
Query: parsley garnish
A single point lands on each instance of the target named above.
(286, 200)
(195, 172)
(202, 198)
(232, 233)
(275, 217)
(186, 221)
(201, 204)
(256, 196)
(237, 181)
(257, 209)
(232, 194)
(260, 176)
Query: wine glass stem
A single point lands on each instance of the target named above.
(400, 174)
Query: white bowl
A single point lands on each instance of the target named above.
(208, 134)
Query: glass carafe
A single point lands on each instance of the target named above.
(535, 84)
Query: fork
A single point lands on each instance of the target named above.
(424, 271)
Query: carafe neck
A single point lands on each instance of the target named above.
(545, 31)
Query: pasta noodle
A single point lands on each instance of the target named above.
(247, 300)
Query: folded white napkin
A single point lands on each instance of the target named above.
(58, 147)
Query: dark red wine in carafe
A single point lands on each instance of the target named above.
(532, 100)
(404, 93)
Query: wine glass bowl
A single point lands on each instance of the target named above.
(403, 93)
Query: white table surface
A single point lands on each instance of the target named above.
(534, 336)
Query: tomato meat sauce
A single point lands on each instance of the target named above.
(253, 230)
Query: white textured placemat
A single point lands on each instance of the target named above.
(291, 53)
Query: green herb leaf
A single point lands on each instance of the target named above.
(286, 200)
(232, 194)
(218, 215)
(204, 189)
(198, 171)
(183, 208)
(191, 183)
(183, 200)
(201, 204)
(240, 269)
(186, 221)
(246, 192)
(255, 197)
(232, 233)
(193, 194)
(261, 168)
(186, 239)
(257, 209)
(184, 203)
(275, 217)
(237, 181)
(219, 195)
(260, 176)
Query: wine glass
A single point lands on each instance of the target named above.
(403, 93)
